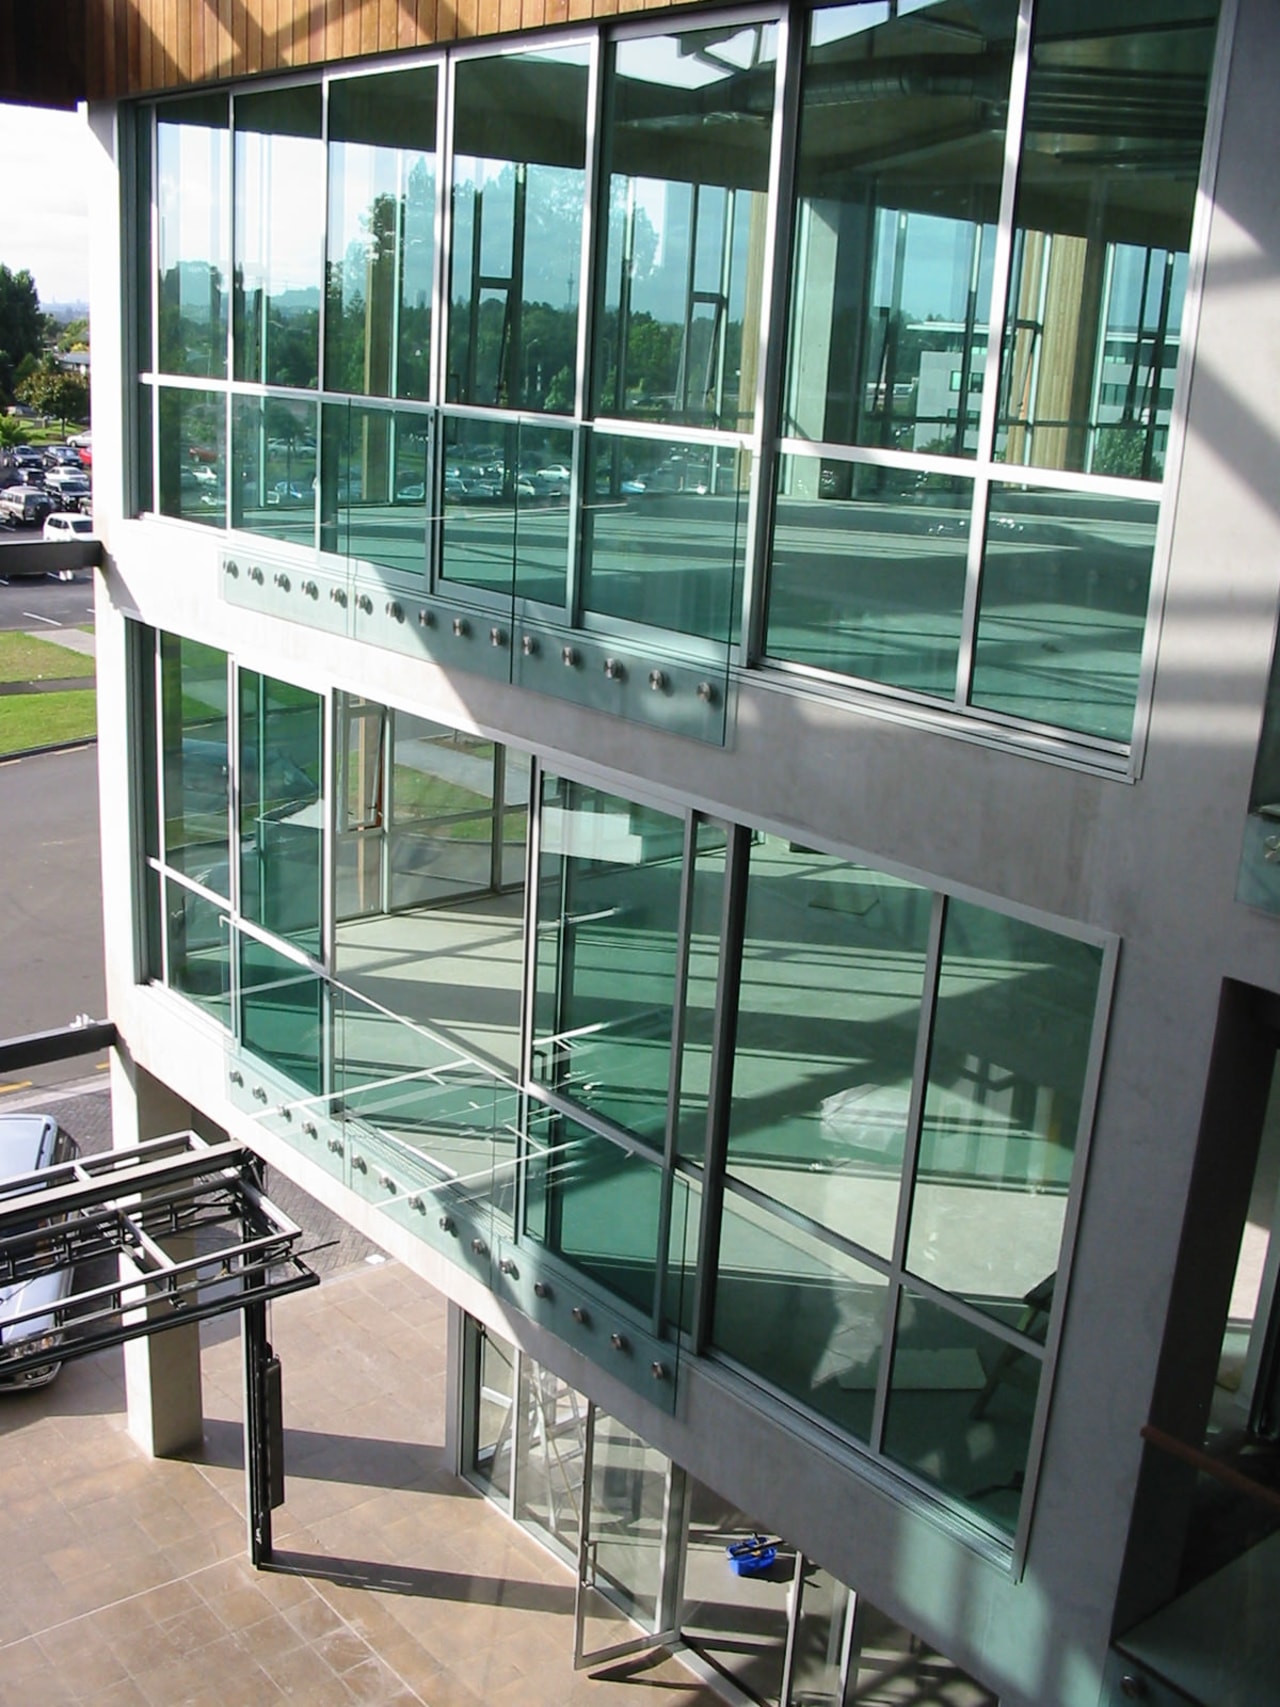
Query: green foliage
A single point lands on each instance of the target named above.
(21, 326)
(1118, 450)
(12, 432)
(52, 390)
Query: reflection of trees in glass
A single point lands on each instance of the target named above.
(392, 258)
(509, 341)
(193, 319)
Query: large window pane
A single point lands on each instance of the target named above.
(199, 949)
(273, 451)
(899, 166)
(518, 180)
(478, 530)
(197, 824)
(281, 808)
(279, 235)
(832, 975)
(193, 456)
(961, 1405)
(373, 501)
(1007, 1062)
(382, 197)
(688, 154)
(799, 1313)
(608, 907)
(1062, 618)
(282, 1014)
(868, 572)
(193, 159)
(663, 536)
(1106, 190)
(597, 1206)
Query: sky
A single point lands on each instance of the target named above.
(45, 227)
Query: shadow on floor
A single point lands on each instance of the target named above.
(322, 1457)
(425, 1584)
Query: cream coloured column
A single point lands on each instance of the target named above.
(161, 1371)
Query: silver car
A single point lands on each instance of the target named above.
(28, 1144)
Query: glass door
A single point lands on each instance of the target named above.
(630, 1556)
(359, 876)
(819, 1633)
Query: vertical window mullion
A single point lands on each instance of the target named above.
(996, 316)
(910, 1152)
(772, 343)
(728, 984)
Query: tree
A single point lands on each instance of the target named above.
(21, 326)
(12, 432)
(52, 390)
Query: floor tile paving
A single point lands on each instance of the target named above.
(124, 1581)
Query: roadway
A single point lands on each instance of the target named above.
(51, 922)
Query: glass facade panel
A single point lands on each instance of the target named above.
(597, 1206)
(279, 235)
(1106, 190)
(900, 159)
(381, 262)
(507, 517)
(198, 949)
(478, 527)
(375, 470)
(273, 453)
(868, 571)
(193, 231)
(282, 1014)
(687, 154)
(961, 1405)
(608, 910)
(518, 197)
(828, 1015)
(494, 1413)
(664, 534)
(193, 456)
(1066, 580)
(197, 767)
(1007, 1064)
(801, 1314)
(281, 808)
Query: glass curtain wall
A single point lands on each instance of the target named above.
(876, 1225)
(890, 563)
(863, 1208)
(969, 359)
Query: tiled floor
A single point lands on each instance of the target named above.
(124, 1581)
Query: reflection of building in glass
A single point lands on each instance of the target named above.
(681, 662)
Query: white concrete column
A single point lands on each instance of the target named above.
(161, 1371)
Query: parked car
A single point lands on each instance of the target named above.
(69, 486)
(64, 524)
(61, 456)
(30, 1143)
(24, 506)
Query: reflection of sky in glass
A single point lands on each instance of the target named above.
(937, 266)
(192, 179)
(279, 180)
(1127, 305)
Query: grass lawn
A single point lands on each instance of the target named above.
(40, 719)
(23, 659)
